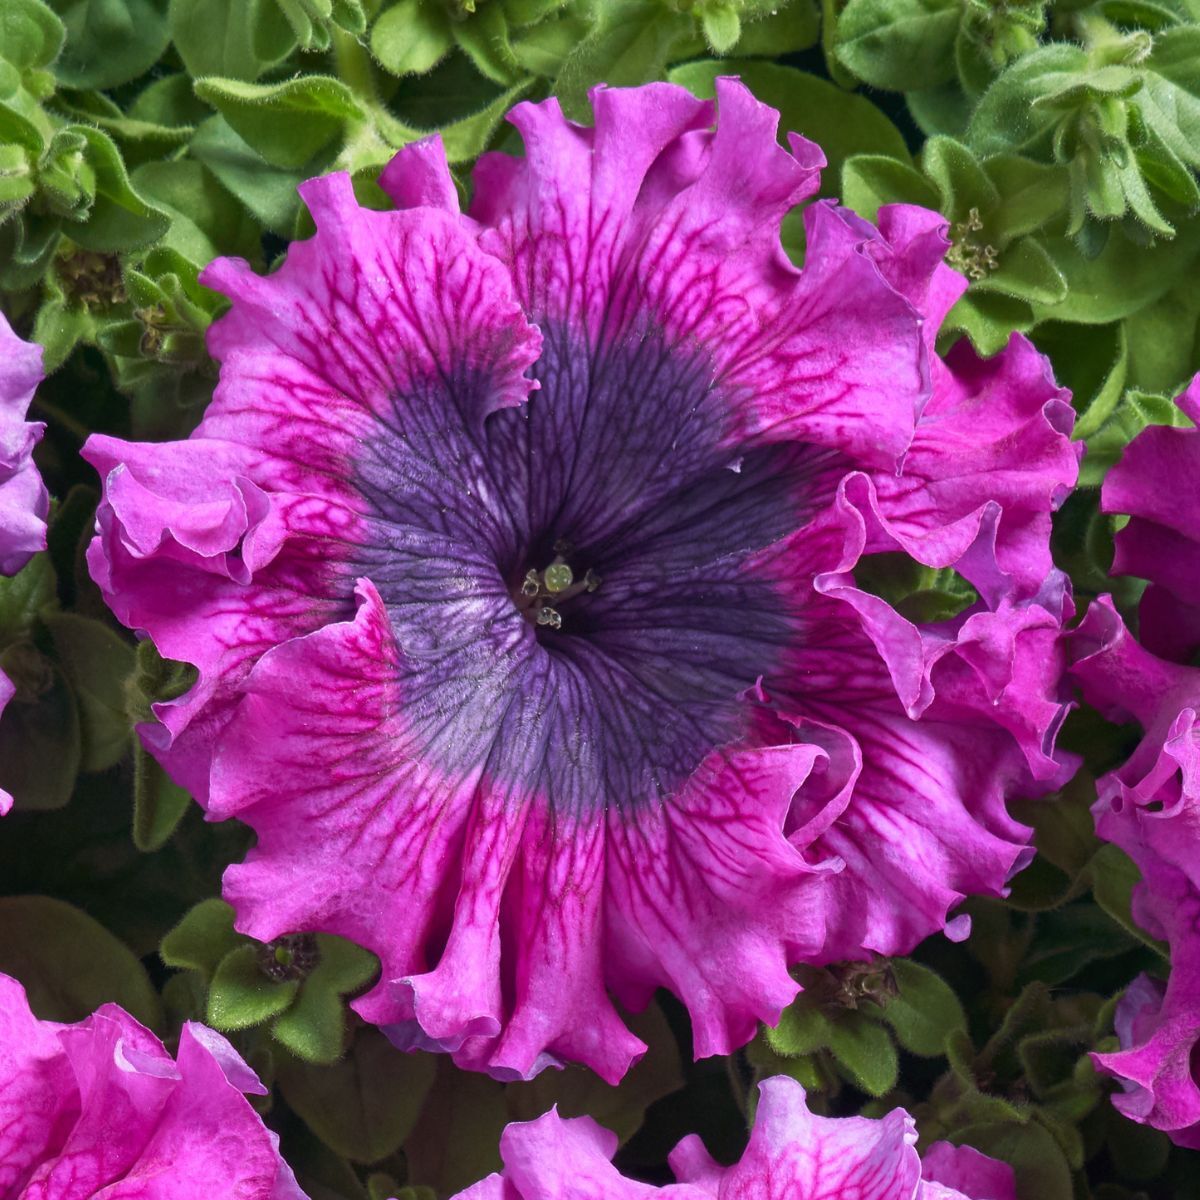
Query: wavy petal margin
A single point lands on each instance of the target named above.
(99, 1108)
(792, 1153)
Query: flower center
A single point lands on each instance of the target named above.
(540, 594)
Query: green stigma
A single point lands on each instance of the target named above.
(558, 577)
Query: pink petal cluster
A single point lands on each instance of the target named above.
(792, 1154)
(1150, 805)
(23, 500)
(731, 757)
(99, 1110)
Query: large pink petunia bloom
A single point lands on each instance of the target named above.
(1150, 805)
(517, 554)
(23, 499)
(792, 1154)
(100, 1111)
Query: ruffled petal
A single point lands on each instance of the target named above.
(651, 223)
(1150, 807)
(969, 1173)
(100, 1111)
(1161, 540)
(794, 1153)
(23, 497)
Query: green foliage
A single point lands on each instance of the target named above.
(297, 983)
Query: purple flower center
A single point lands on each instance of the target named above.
(567, 580)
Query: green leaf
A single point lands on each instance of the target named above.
(95, 662)
(109, 42)
(988, 319)
(206, 220)
(900, 45)
(169, 102)
(364, 1106)
(803, 1028)
(842, 125)
(120, 219)
(69, 963)
(484, 39)
(866, 1051)
(1114, 876)
(30, 33)
(944, 109)
(241, 995)
(1164, 341)
(287, 123)
(268, 193)
(158, 802)
(235, 39)
(924, 1012)
(202, 939)
(1032, 195)
(631, 43)
(411, 37)
(24, 597)
(794, 26)
(1123, 278)
(1038, 1162)
(1068, 940)
(41, 745)
(870, 181)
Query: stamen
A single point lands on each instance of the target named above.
(549, 616)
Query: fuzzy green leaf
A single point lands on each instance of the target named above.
(364, 1106)
(158, 802)
(69, 963)
(109, 42)
(234, 39)
(287, 123)
(925, 1011)
(899, 44)
(411, 37)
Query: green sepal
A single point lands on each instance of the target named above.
(202, 939)
(721, 25)
(286, 123)
(793, 26)
(1139, 1152)
(95, 662)
(864, 1050)
(314, 1027)
(109, 42)
(364, 1106)
(240, 995)
(69, 963)
(869, 181)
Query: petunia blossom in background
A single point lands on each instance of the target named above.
(23, 499)
(792, 1153)
(100, 1109)
(1150, 805)
(524, 554)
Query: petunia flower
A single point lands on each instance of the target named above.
(517, 557)
(792, 1153)
(23, 500)
(1150, 805)
(100, 1109)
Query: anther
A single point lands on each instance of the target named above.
(549, 617)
